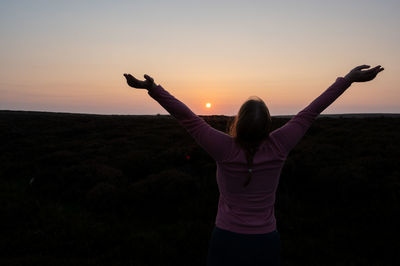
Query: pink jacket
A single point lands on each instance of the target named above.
(250, 209)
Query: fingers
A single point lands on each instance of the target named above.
(131, 78)
(374, 70)
(128, 76)
(361, 67)
(147, 77)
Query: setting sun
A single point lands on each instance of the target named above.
(208, 105)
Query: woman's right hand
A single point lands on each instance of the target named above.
(358, 75)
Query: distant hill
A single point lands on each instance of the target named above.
(349, 115)
(355, 115)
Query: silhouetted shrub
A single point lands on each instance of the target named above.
(101, 197)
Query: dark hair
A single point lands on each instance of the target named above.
(250, 127)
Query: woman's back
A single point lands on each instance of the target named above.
(249, 209)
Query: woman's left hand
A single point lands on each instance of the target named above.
(139, 84)
(358, 75)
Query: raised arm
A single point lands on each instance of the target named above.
(287, 136)
(216, 143)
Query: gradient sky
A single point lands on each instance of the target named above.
(69, 56)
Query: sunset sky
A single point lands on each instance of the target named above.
(70, 56)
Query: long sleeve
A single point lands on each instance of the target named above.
(287, 136)
(216, 143)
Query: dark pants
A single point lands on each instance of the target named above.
(229, 248)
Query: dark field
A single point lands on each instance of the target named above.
(137, 190)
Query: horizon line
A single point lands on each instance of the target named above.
(205, 115)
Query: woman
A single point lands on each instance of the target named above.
(249, 161)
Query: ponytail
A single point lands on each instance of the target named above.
(249, 128)
(249, 157)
